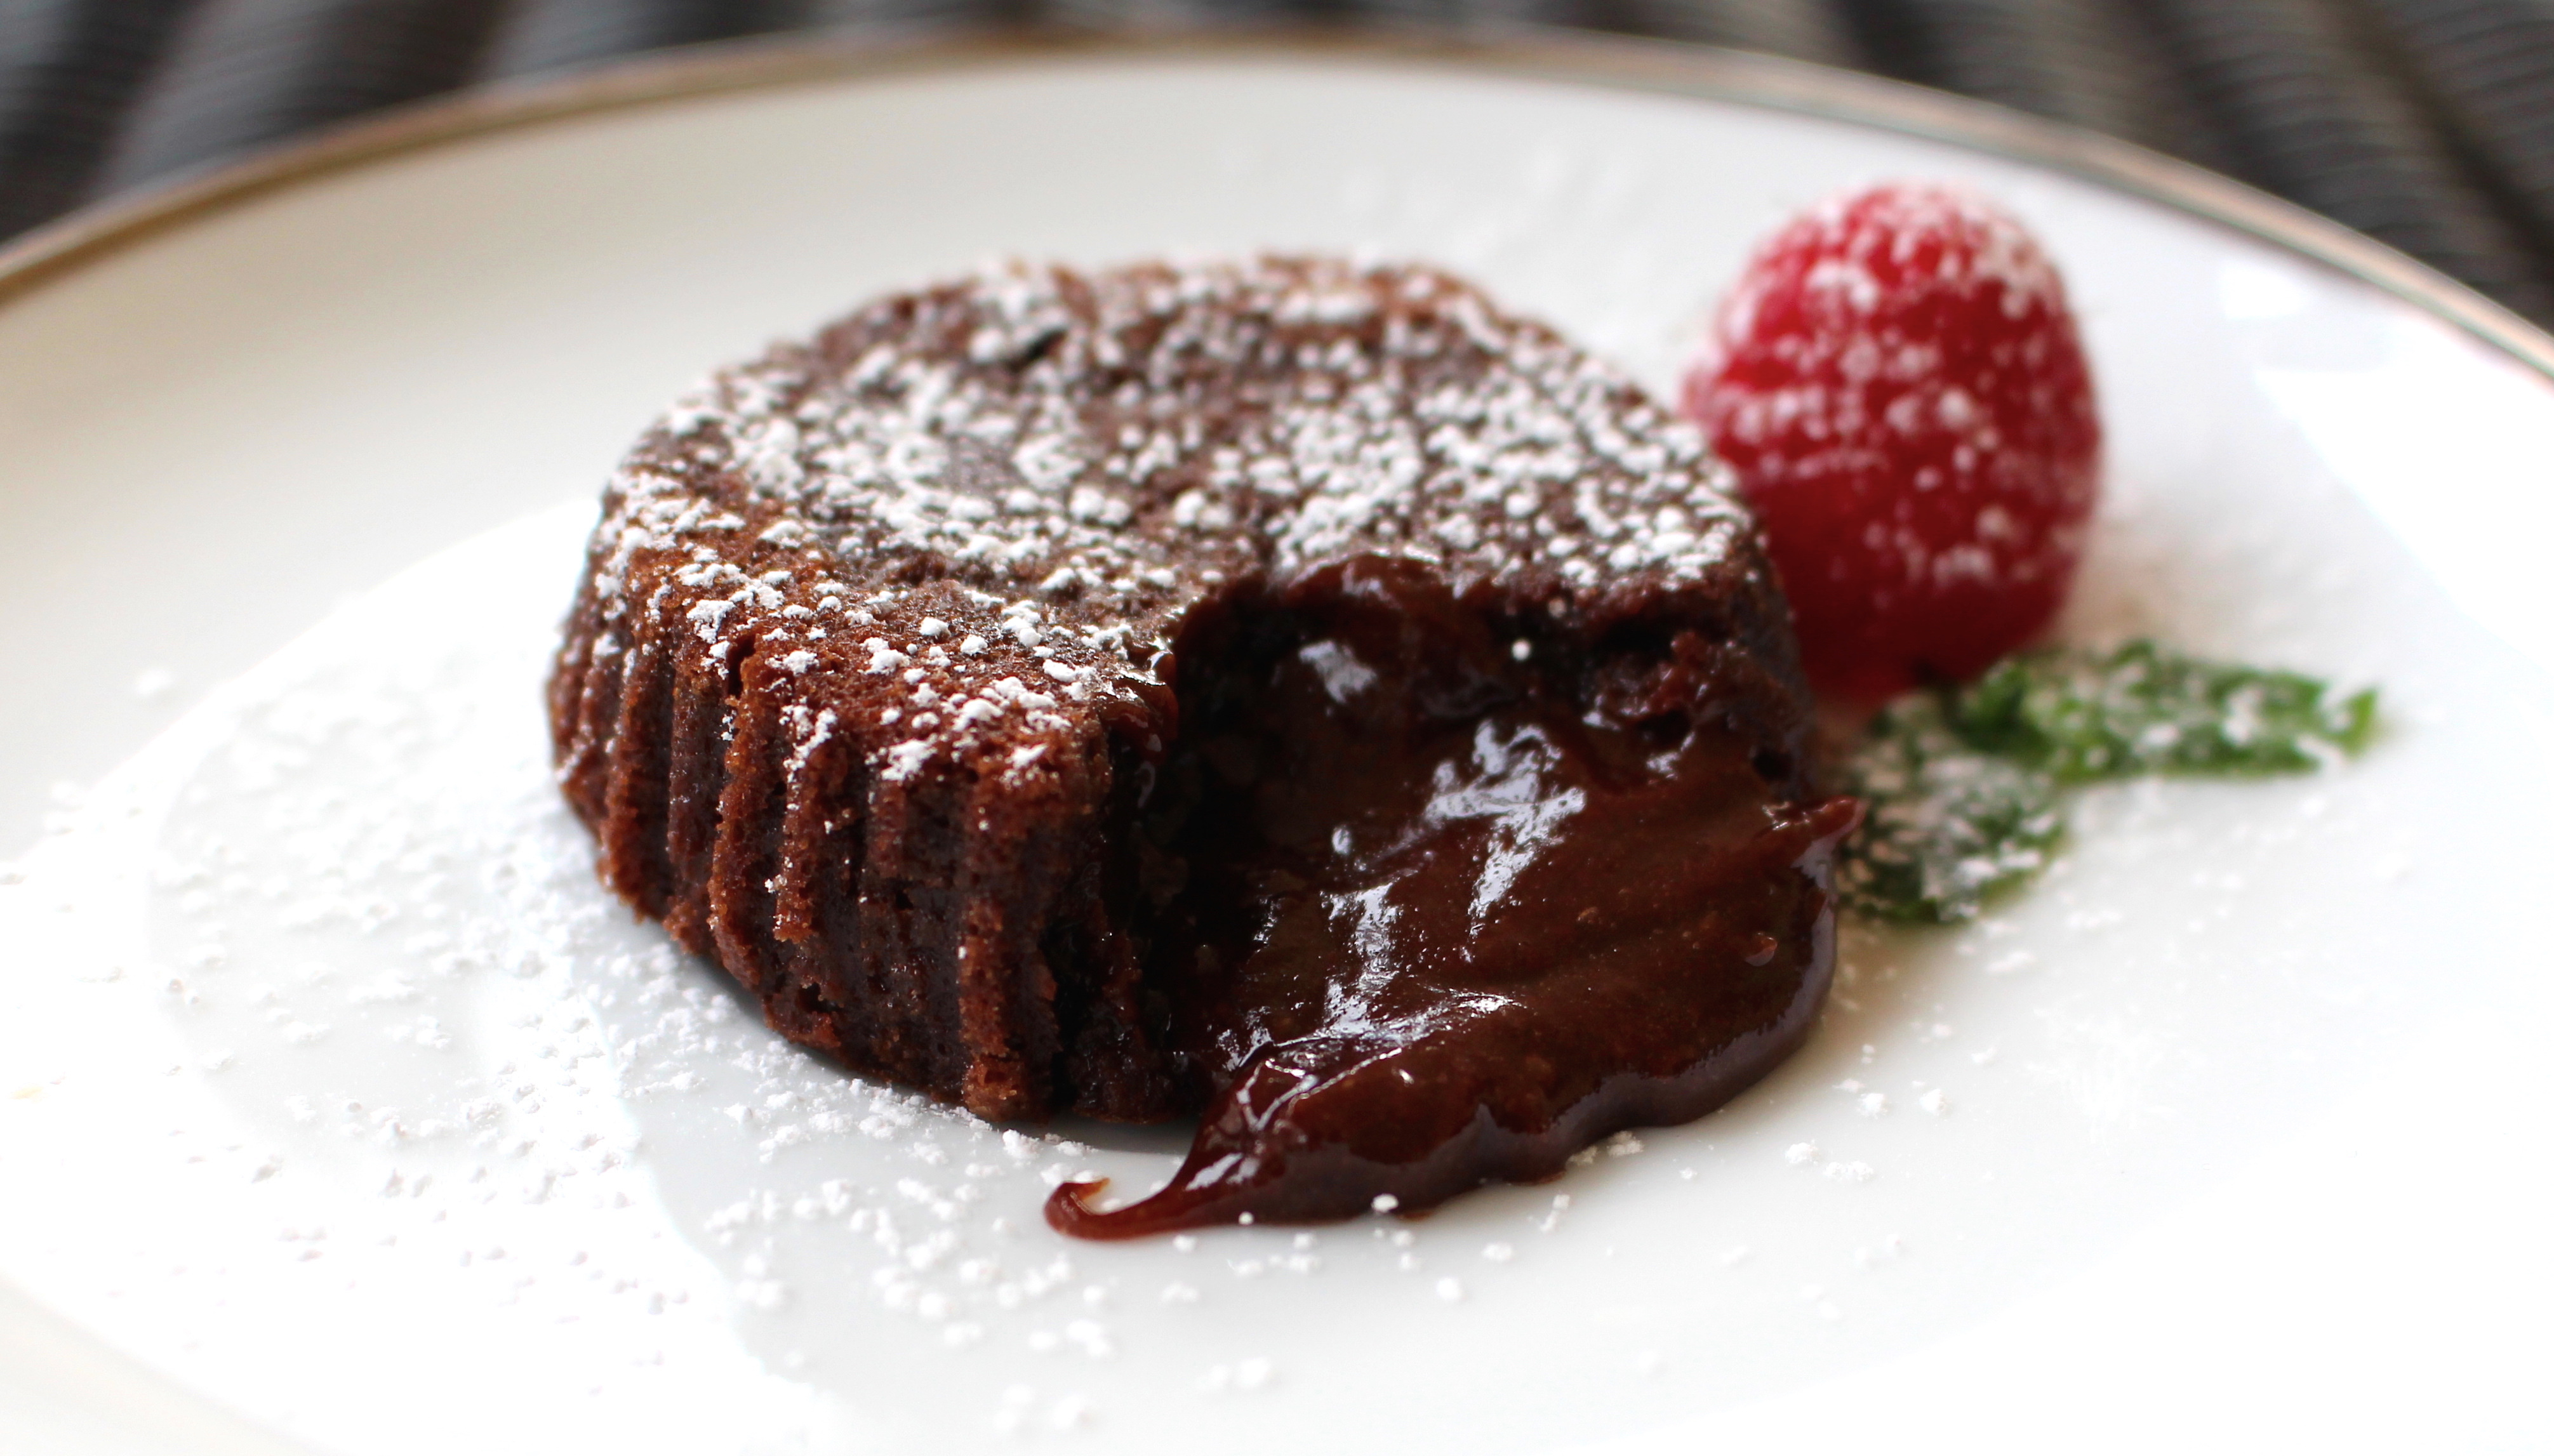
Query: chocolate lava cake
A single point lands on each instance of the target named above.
(1282, 692)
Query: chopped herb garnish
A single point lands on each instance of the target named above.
(1945, 825)
(2142, 709)
(1963, 784)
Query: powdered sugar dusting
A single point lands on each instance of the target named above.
(1044, 469)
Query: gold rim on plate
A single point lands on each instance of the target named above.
(1663, 67)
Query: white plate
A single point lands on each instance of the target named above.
(338, 1096)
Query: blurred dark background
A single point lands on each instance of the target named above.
(2428, 124)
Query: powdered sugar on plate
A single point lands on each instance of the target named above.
(327, 971)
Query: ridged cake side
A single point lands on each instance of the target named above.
(908, 924)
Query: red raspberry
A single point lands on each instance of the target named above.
(1898, 383)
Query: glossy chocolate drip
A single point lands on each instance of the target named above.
(1442, 895)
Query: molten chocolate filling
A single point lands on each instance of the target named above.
(1436, 896)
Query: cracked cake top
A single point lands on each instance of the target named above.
(995, 497)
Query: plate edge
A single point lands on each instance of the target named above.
(1665, 68)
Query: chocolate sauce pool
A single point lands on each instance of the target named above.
(1440, 897)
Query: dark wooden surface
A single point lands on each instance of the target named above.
(2427, 124)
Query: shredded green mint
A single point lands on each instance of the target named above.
(1963, 784)
(2142, 709)
(1944, 825)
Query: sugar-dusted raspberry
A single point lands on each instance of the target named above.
(1898, 383)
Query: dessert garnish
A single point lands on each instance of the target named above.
(1898, 382)
(1965, 784)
